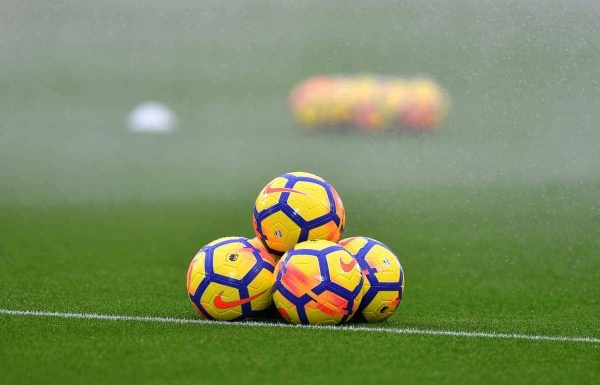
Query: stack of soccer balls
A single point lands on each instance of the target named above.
(369, 103)
(297, 261)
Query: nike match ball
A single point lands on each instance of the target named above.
(297, 207)
(317, 282)
(229, 279)
(384, 277)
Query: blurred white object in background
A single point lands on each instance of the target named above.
(151, 117)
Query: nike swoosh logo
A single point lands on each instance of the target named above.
(347, 267)
(220, 304)
(344, 242)
(271, 190)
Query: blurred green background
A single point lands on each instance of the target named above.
(523, 77)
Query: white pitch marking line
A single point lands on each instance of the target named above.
(94, 316)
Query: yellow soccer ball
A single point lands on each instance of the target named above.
(230, 279)
(297, 207)
(384, 277)
(317, 282)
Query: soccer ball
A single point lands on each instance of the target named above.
(230, 279)
(384, 277)
(317, 282)
(297, 207)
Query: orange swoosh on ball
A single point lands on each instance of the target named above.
(220, 304)
(271, 190)
(347, 267)
(344, 242)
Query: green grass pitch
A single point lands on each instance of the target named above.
(476, 260)
(496, 218)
